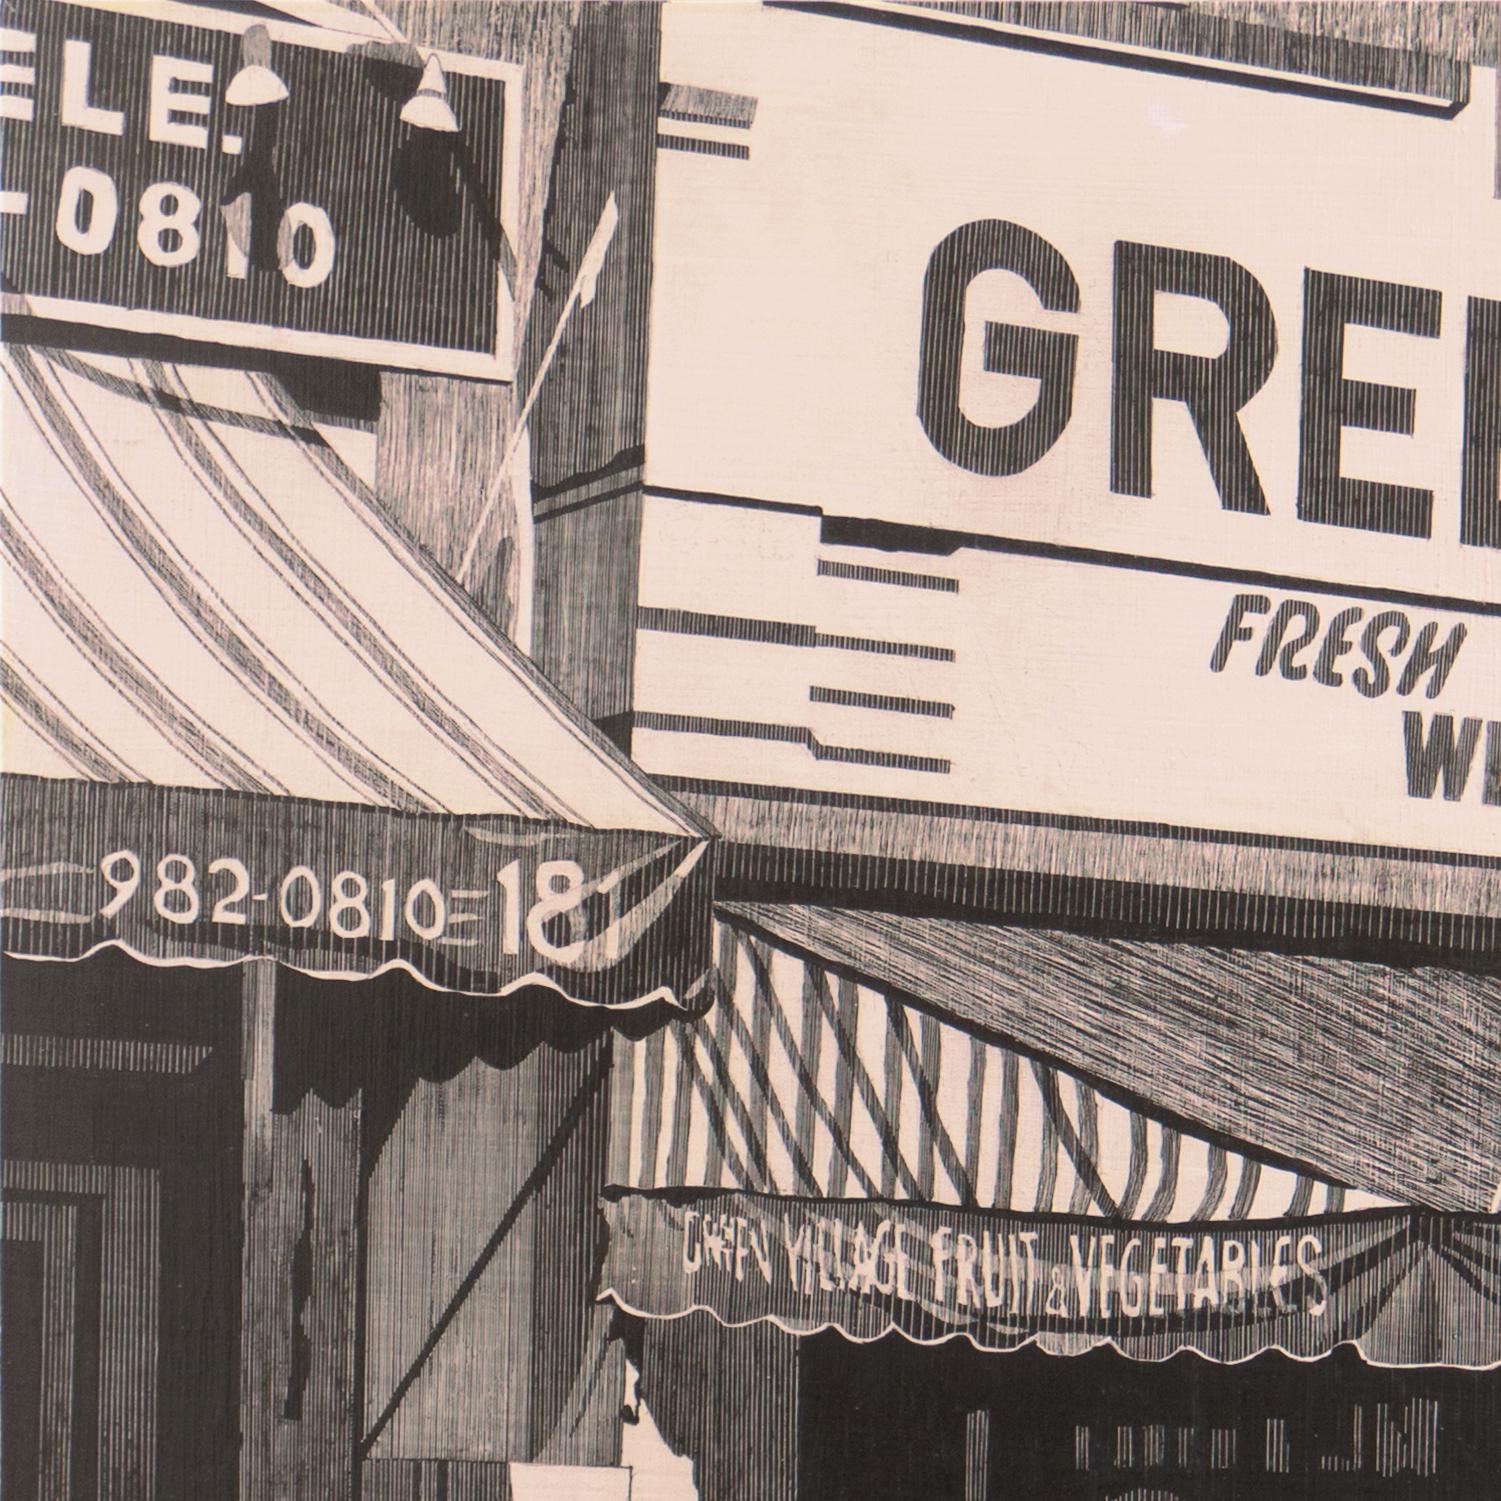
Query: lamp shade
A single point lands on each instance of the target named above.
(428, 108)
(256, 82)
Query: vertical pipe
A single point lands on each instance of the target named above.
(258, 1362)
(977, 1455)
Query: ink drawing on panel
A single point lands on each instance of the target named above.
(751, 751)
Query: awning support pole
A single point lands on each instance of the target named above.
(298, 1312)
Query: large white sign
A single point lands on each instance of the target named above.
(1061, 434)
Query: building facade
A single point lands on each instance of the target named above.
(322, 898)
(1080, 429)
(747, 752)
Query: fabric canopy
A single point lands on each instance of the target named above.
(1374, 1074)
(201, 595)
(822, 1151)
(812, 1082)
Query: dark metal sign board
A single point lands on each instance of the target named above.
(135, 195)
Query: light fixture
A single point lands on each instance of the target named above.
(255, 83)
(428, 108)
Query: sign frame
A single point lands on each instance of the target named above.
(1238, 856)
(496, 365)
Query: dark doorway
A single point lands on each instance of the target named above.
(20, 1363)
(121, 1115)
(895, 1421)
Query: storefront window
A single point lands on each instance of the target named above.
(893, 1420)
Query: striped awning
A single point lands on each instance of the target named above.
(821, 1151)
(808, 1082)
(200, 594)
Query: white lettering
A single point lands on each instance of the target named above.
(938, 1243)
(86, 231)
(1029, 1239)
(168, 104)
(560, 893)
(691, 1262)
(320, 263)
(78, 61)
(1083, 1274)
(1310, 1249)
(15, 105)
(168, 232)
(796, 1247)
(1131, 1284)
(1157, 1276)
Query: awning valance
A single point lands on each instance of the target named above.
(243, 714)
(483, 904)
(1405, 1288)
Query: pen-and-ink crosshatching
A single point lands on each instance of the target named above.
(751, 751)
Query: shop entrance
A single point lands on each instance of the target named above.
(120, 1217)
(894, 1421)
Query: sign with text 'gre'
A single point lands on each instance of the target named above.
(135, 194)
(1117, 438)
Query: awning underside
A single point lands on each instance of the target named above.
(805, 1081)
(1375, 1075)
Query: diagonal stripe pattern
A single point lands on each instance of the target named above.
(221, 603)
(809, 1083)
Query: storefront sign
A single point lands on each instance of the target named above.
(135, 192)
(484, 905)
(988, 677)
(1173, 503)
(868, 1267)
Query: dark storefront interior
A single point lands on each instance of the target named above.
(1098, 1427)
(122, 1226)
